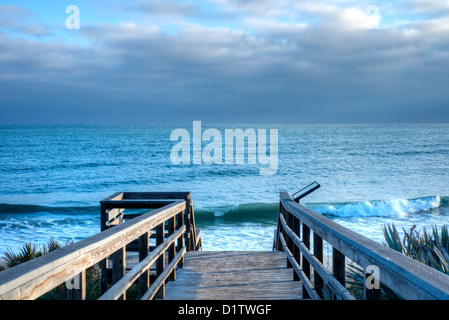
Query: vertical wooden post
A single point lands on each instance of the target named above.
(187, 217)
(144, 248)
(179, 224)
(172, 248)
(76, 288)
(372, 288)
(305, 265)
(338, 266)
(276, 244)
(160, 263)
(288, 240)
(104, 262)
(192, 225)
(119, 267)
(296, 252)
(318, 252)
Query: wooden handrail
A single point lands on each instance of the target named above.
(34, 278)
(324, 273)
(124, 283)
(408, 278)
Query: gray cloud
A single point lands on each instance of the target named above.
(266, 70)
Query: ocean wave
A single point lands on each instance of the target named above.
(264, 211)
(242, 212)
(381, 208)
(373, 208)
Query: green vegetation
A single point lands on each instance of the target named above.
(430, 248)
(31, 251)
(28, 252)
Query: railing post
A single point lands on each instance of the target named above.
(172, 248)
(104, 262)
(144, 248)
(318, 252)
(374, 292)
(119, 267)
(338, 266)
(305, 265)
(277, 243)
(179, 224)
(296, 252)
(160, 263)
(187, 217)
(76, 287)
(288, 240)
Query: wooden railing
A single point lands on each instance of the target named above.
(301, 232)
(36, 277)
(114, 212)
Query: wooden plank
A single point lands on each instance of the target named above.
(114, 197)
(181, 195)
(305, 264)
(318, 253)
(296, 228)
(76, 290)
(144, 250)
(160, 263)
(338, 266)
(119, 268)
(235, 275)
(113, 213)
(180, 244)
(172, 248)
(138, 204)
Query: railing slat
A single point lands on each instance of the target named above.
(326, 275)
(161, 279)
(115, 291)
(306, 241)
(318, 253)
(338, 266)
(160, 262)
(307, 285)
(119, 267)
(144, 251)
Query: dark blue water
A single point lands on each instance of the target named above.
(53, 177)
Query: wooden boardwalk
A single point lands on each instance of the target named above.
(234, 275)
(160, 253)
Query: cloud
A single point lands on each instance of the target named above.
(159, 7)
(299, 62)
(18, 19)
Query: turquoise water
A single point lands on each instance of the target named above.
(53, 177)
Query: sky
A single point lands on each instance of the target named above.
(224, 61)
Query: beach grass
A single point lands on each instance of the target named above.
(428, 247)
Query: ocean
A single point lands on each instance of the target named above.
(53, 178)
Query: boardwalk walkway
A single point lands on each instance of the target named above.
(234, 275)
